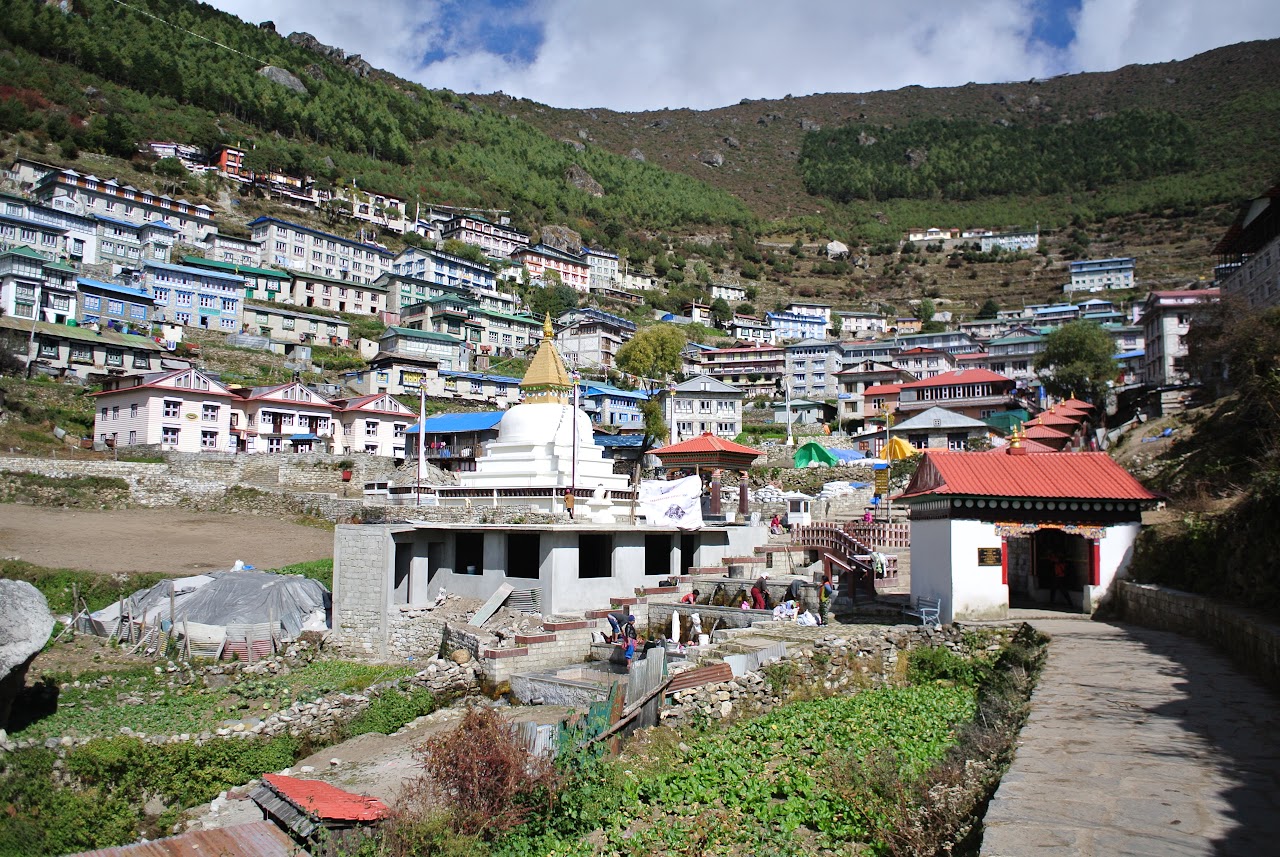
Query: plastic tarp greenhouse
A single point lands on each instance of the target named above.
(290, 601)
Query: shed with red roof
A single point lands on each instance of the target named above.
(1000, 529)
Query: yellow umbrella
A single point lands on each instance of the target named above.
(898, 448)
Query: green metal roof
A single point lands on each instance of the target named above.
(201, 262)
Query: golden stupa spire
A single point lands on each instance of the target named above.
(546, 379)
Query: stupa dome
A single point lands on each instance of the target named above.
(544, 422)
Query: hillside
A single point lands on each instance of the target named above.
(746, 192)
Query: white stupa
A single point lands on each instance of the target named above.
(535, 446)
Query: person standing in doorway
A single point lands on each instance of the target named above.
(1058, 579)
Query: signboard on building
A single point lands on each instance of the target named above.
(988, 556)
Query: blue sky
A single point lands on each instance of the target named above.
(651, 54)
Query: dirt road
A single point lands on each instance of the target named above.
(148, 540)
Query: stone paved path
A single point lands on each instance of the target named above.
(1140, 742)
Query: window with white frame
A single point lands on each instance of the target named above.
(209, 413)
(169, 435)
(370, 428)
(398, 430)
(208, 440)
(48, 350)
(115, 357)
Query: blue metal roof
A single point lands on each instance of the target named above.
(198, 272)
(1129, 355)
(453, 423)
(479, 376)
(614, 441)
(114, 287)
(159, 224)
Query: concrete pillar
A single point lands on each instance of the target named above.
(716, 506)
(744, 496)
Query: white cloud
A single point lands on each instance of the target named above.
(708, 53)
(1115, 33)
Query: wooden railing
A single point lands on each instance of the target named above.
(845, 550)
(880, 533)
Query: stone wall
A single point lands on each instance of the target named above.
(412, 634)
(1245, 636)
(831, 664)
(360, 597)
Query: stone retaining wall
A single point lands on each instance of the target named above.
(831, 664)
(1247, 637)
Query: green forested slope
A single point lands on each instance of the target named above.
(112, 75)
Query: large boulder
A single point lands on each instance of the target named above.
(584, 181)
(284, 78)
(25, 624)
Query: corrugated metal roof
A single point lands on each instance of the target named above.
(256, 839)
(325, 801)
(939, 418)
(453, 423)
(1057, 475)
(958, 376)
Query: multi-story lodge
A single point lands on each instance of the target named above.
(1094, 275)
(497, 240)
(731, 293)
(434, 266)
(301, 248)
(70, 191)
(604, 268)
(263, 284)
(449, 352)
(1166, 318)
(976, 393)
(285, 325)
(237, 251)
(88, 354)
(590, 338)
(855, 407)
(703, 404)
(754, 369)
(924, 362)
(194, 297)
(127, 245)
(811, 369)
(113, 306)
(313, 290)
(861, 324)
(540, 260)
(50, 230)
(36, 287)
(1249, 253)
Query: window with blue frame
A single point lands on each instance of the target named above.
(92, 302)
(137, 311)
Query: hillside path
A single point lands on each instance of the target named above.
(1140, 742)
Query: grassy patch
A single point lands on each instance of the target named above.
(56, 584)
(81, 491)
(316, 569)
(99, 704)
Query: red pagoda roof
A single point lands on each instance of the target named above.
(706, 444)
(1037, 430)
(1031, 446)
(1050, 475)
(325, 801)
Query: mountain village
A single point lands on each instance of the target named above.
(761, 574)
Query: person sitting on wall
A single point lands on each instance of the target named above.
(629, 640)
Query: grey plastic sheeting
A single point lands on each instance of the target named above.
(230, 598)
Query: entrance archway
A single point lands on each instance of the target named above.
(1034, 554)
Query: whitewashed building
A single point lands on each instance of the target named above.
(182, 411)
(988, 527)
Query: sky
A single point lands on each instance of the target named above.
(649, 54)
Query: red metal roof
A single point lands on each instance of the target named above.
(1053, 418)
(959, 376)
(255, 839)
(1033, 446)
(707, 443)
(1034, 430)
(1076, 404)
(325, 801)
(881, 389)
(1051, 475)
